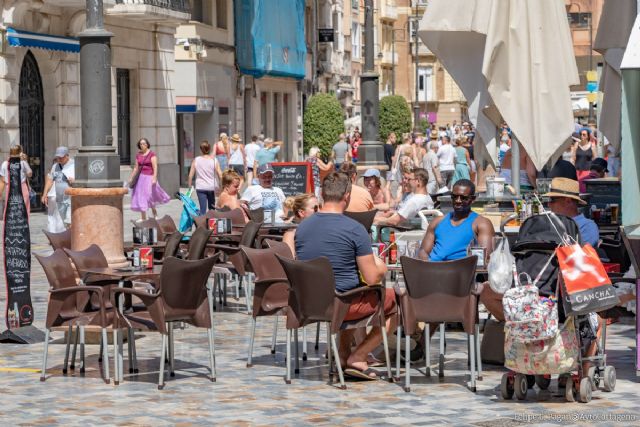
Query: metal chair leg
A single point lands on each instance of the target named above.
(120, 356)
(317, 335)
(43, 374)
(297, 368)
(427, 350)
(172, 349)
(398, 345)
(66, 352)
(212, 352)
(287, 378)
(385, 342)
(251, 338)
(441, 356)
(472, 344)
(478, 355)
(162, 357)
(116, 367)
(338, 364)
(135, 353)
(329, 355)
(75, 348)
(130, 350)
(274, 338)
(304, 343)
(82, 354)
(104, 352)
(407, 362)
(100, 352)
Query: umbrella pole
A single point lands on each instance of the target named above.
(515, 164)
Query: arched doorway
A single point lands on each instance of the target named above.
(31, 116)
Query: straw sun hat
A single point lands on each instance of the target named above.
(236, 138)
(565, 187)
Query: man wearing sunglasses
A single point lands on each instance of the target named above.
(417, 200)
(448, 236)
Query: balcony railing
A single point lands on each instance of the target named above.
(154, 11)
(176, 5)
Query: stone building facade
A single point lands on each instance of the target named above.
(40, 80)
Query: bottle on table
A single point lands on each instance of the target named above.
(393, 249)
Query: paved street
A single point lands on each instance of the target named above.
(258, 395)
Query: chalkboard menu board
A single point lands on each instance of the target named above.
(293, 177)
(17, 252)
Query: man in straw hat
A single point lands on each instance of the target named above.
(564, 200)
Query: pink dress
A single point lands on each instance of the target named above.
(145, 194)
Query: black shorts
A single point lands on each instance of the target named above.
(238, 168)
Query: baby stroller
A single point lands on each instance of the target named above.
(534, 250)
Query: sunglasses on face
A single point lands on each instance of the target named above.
(462, 198)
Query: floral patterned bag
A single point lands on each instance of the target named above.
(557, 355)
(529, 317)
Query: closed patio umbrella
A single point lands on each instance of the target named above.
(528, 64)
(614, 29)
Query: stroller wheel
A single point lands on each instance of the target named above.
(521, 386)
(570, 391)
(594, 376)
(506, 387)
(609, 378)
(543, 382)
(585, 390)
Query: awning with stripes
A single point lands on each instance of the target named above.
(42, 41)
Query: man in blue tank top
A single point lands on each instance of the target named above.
(449, 236)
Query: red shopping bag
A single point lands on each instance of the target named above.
(585, 284)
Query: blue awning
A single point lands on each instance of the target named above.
(42, 41)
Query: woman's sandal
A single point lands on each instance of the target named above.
(363, 375)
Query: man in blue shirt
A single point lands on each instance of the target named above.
(347, 245)
(564, 199)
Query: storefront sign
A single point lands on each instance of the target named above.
(17, 252)
(293, 177)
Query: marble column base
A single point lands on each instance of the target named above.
(96, 217)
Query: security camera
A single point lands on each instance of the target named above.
(186, 45)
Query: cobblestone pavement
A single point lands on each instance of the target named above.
(258, 395)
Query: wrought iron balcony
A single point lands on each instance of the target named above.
(156, 11)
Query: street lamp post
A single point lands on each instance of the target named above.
(96, 195)
(371, 151)
(416, 105)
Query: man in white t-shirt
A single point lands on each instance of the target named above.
(431, 164)
(417, 201)
(250, 151)
(447, 156)
(264, 195)
(62, 174)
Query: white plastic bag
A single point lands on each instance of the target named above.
(500, 268)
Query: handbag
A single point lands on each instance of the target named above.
(557, 355)
(586, 287)
(529, 317)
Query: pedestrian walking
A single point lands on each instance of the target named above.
(268, 153)
(16, 156)
(318, 166)
(207, 172)
(584, 153)
(238, 157)
(146, 192)
(446, 157)
(463, 163)
(340, 152)
(250, 151)
(222, 151)
(62, 174)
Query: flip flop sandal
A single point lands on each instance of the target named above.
(362, 375)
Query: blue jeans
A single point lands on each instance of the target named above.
(207, 200)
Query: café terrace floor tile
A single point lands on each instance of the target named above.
(258, 396)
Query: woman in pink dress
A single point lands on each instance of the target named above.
(146, 192)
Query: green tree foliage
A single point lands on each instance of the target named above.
(323, 122)
(395, 116)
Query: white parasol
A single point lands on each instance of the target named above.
(527, 66)
(614, 29)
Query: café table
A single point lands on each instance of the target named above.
(129, 246)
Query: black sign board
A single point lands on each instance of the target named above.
(325, 35)
(292, 177)
(17, 252)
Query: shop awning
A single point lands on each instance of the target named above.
(42, 41)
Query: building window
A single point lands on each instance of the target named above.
(123, 111)
(276, 118)
(425, 84)
(356, 46)
(201, 11)
(221, 14)
(263, 113)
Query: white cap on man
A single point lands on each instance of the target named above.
(61, 152)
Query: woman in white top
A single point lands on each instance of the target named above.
(238, 157)
(207, 171)
(15, 152)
